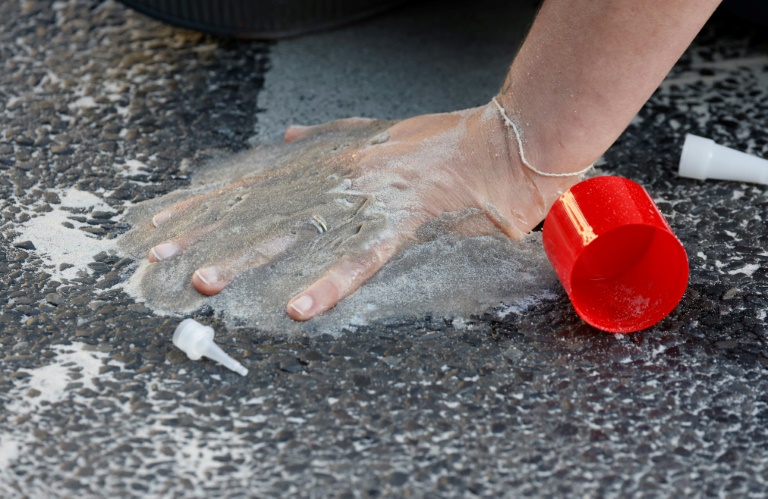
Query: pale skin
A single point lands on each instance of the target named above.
(584, 71)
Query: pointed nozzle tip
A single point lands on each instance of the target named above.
(196, 340)
(215, 353)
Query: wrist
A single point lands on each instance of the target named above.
(551, 143)
(515, 129)
(518, 195)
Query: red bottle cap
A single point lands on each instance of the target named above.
(617, 258)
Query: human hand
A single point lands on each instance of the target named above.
(359, 190)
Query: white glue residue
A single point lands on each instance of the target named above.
(524, 303)
(83, 103)
(131, 168)
(196, 452)
(48, 384)
(75, 198)
(9, 450)
(747, 269)
(56, 243)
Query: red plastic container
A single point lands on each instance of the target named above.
(619, 261)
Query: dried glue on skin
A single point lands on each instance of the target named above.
(196, 340)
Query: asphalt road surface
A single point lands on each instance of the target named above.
(101, 108)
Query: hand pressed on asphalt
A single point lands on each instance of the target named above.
(388, 187)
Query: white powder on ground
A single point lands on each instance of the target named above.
(74, 368)
(57, 244)
(448, 278)
(131, 168)
(83, 103)
(72, 363)
(9, 450)
(748, 269)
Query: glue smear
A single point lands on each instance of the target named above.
(445, 277)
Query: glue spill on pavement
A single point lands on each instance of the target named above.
(87, 385)
(57, 243)
(131, 168)
(748, 269)
(48, 384)
(442, 276)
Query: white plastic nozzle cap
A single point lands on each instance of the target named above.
(196, 340)
(696, 156)
(702, 159)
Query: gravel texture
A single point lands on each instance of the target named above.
(95, 401)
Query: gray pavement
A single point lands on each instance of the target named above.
(101, 108)
(417, 60)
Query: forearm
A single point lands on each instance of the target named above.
(587, 67)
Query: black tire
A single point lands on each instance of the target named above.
(261, 19)
(755, 11)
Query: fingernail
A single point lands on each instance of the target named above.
(379, 139)
(303, 304)
(208, 275)
(165, 250)
(158, 219)
(293, 132)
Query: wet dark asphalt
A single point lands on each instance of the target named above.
(538, 404)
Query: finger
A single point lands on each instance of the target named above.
(163, 216)
(342, 279)
(211, 280)
(168, 213)
(297, 132)
(177, 245)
